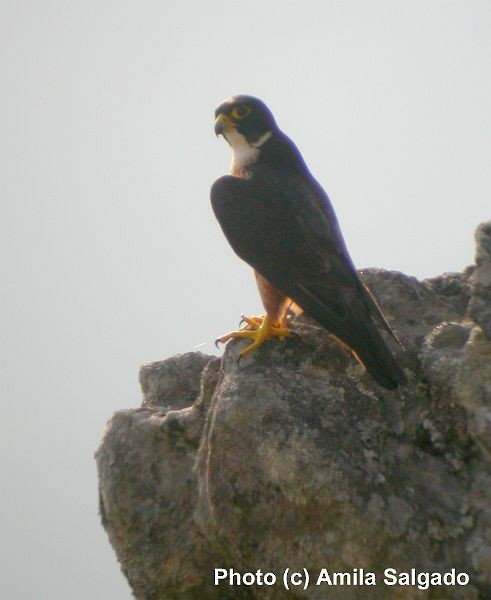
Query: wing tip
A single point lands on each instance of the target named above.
(389, 378)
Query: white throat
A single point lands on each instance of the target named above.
(243, 152)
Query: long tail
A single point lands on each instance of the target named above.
(352, 319)
(374, 354)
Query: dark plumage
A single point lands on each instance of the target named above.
(278, 219)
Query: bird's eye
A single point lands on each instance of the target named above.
(241, 111)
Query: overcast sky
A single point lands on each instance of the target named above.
(111, 255)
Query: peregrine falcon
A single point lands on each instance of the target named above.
(279, 220)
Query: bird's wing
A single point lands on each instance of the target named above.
(285, 228)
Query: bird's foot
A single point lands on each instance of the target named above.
(251, 322)
(258, 329)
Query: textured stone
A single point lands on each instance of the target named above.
(480, 306)
(163, 384)
(296, 458)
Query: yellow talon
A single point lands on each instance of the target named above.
(253, 322)
(259, 330)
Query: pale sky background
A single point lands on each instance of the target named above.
(111, 255)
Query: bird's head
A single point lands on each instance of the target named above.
(244, 120)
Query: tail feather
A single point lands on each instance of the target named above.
(353, 319)
(376, 312)
(379, 361)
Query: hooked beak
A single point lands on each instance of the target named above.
(223, 124)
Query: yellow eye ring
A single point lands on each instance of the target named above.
(240, 112)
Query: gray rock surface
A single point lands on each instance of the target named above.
(296, 458)
(480, 306)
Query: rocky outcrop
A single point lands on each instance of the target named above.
(296, 459)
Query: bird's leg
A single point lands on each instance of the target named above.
(260, 329)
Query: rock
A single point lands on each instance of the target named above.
(296, 458)
(163, 383)
(480, 306)
(148, 497)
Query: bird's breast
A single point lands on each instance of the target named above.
(243, 153)
(241, 159)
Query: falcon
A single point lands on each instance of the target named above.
(279, 220)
